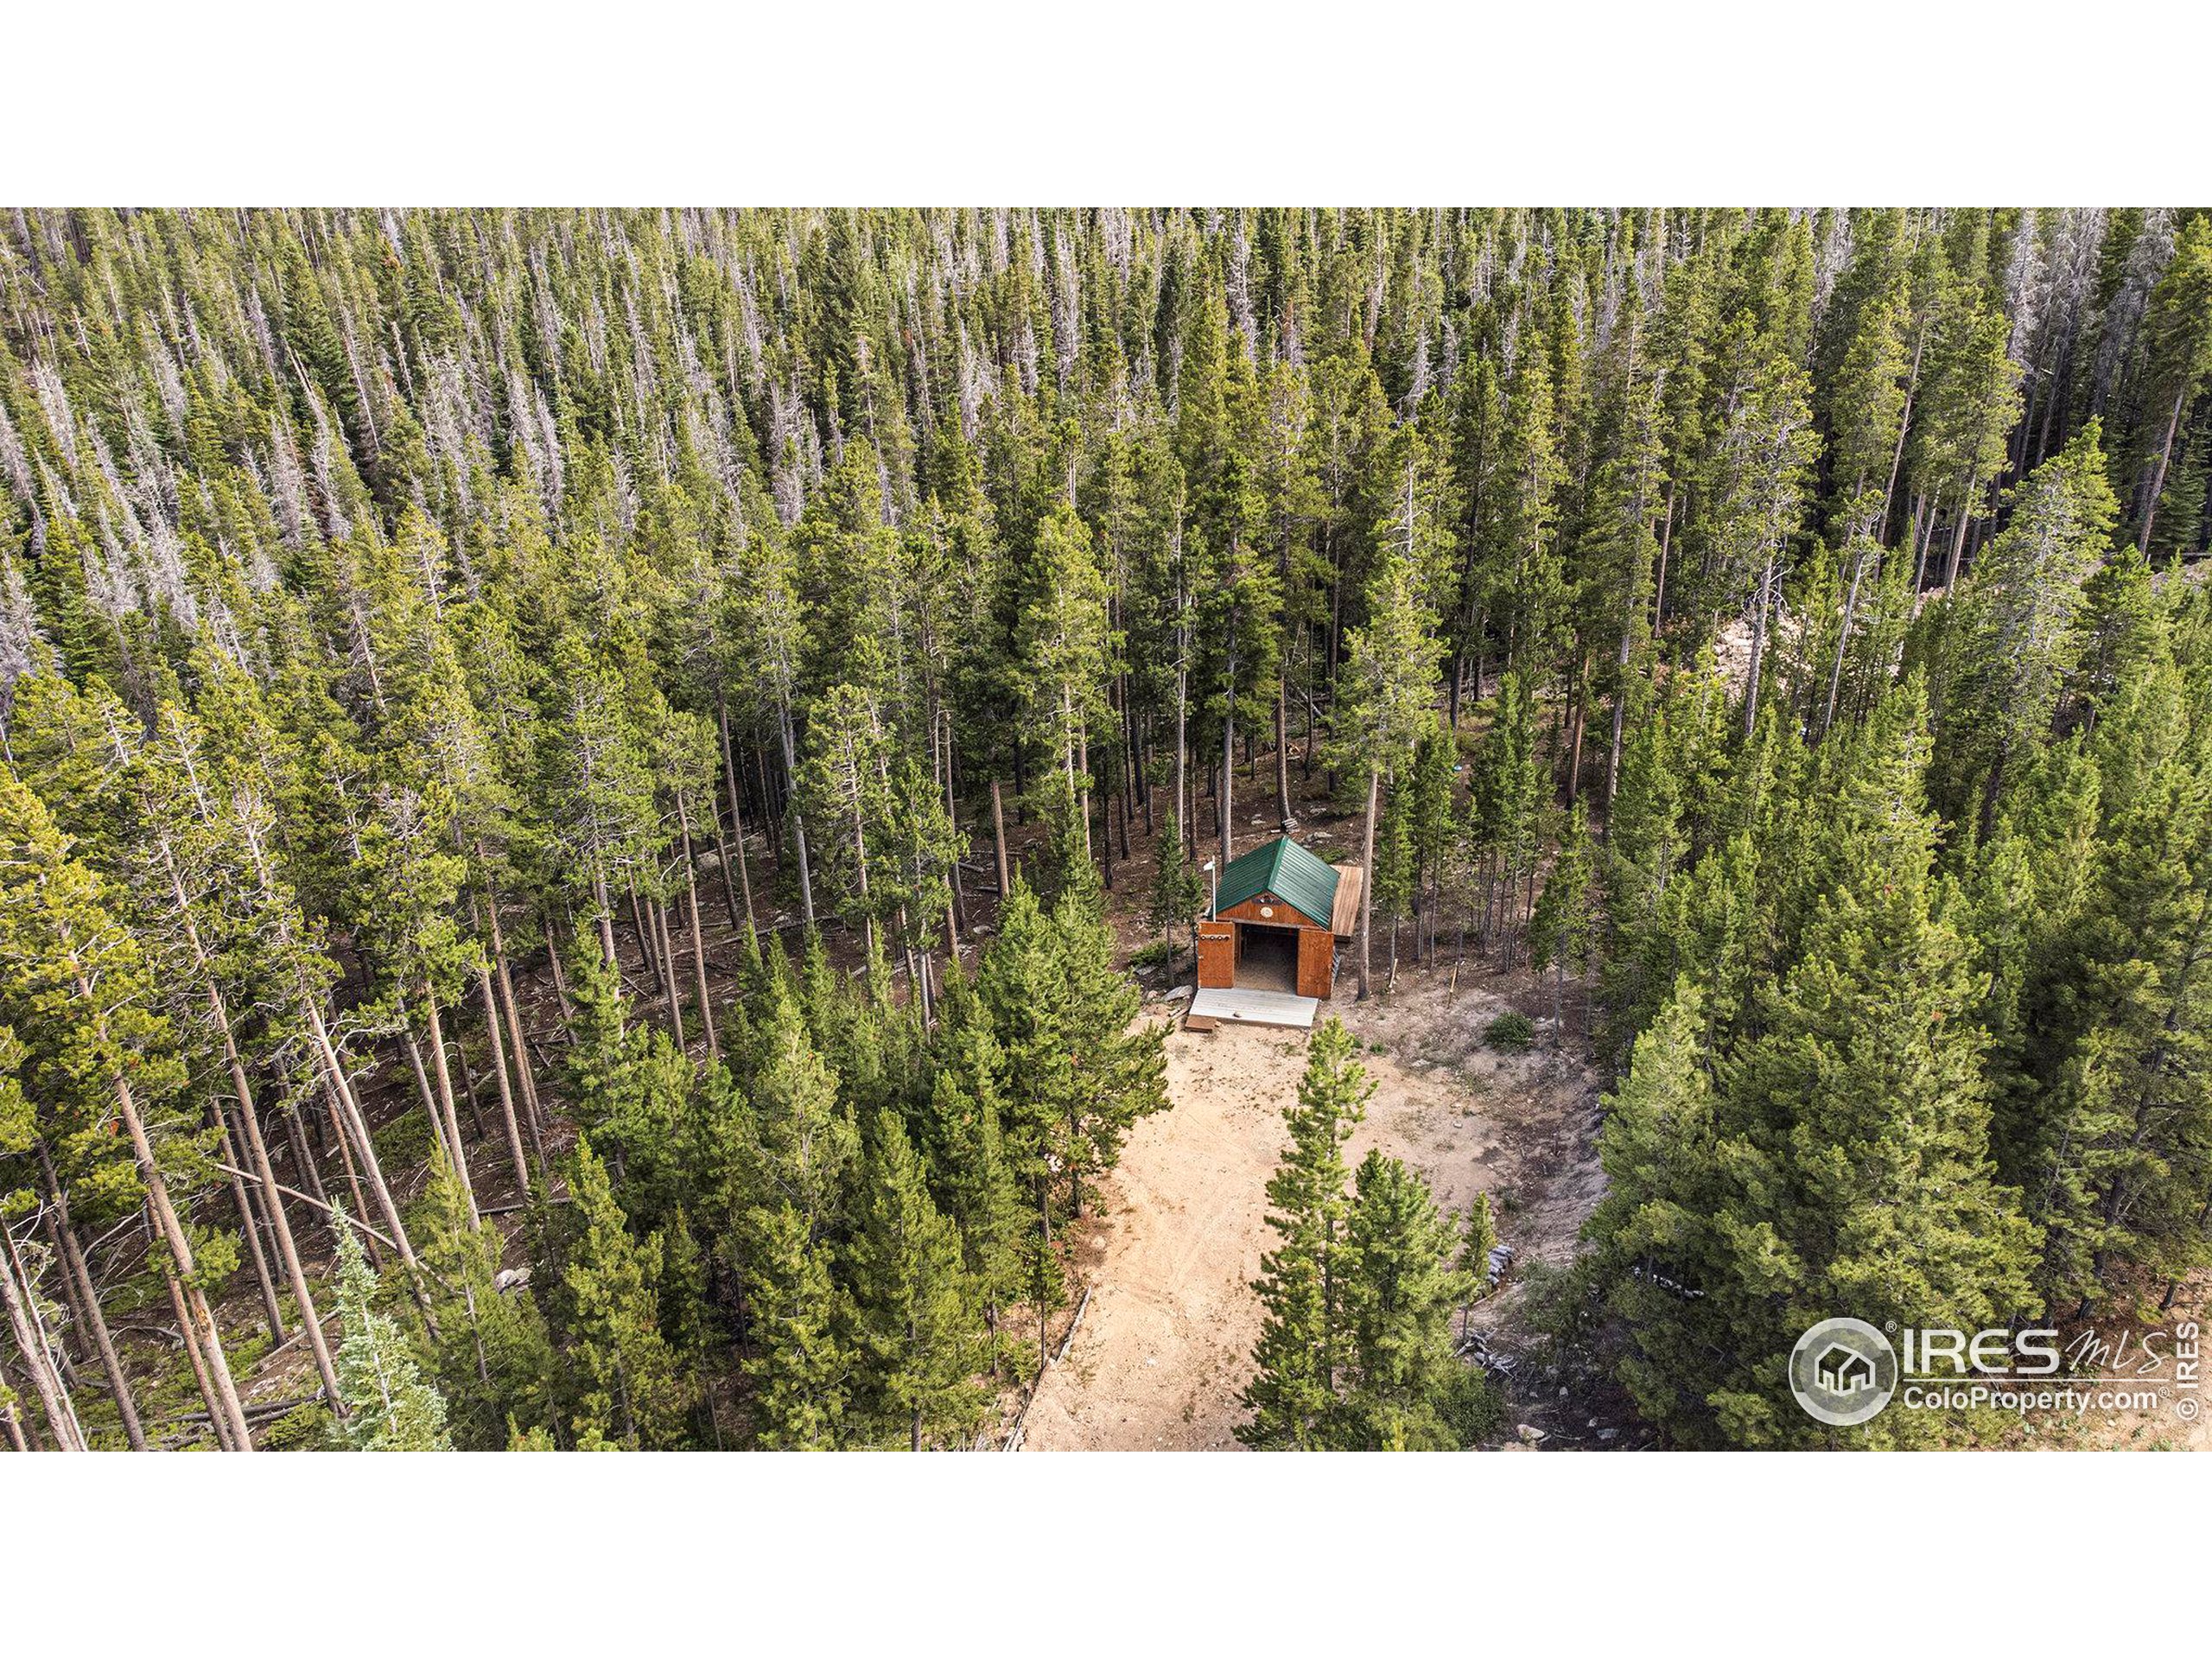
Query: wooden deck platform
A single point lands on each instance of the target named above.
(1256, 1008)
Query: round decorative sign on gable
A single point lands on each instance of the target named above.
(1267, 910)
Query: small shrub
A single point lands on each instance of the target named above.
(1474, 1411)
(1510, 1034)
(406, 1140)
(1158, 954)
(308, 1427)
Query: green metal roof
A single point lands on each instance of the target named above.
(1286, 869)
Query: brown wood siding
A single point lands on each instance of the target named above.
(1317, 960)
(1217, 955)
(1286, 915)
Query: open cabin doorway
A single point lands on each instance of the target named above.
(1267, 958)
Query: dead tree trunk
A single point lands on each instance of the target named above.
(798, 822)
(524, 1077)
(1759, 646)
(354, 1133)
(736, 824)
(30, 1341)
(64, 1233)
(698, 938)
(281, 1227)
(2159, 478)
(1223, 805)
(1959, 532)
(249, 1227)
(218, 1419)
(1843, 640)
(1367, 877)
(559, 975)
(659, 911)
(445, 1099)
(998, 829)
(508, 1119)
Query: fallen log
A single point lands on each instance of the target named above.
(317, 1203)
(1021, 1422)
(1068, 1340)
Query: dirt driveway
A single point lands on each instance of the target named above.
(1165, 1344)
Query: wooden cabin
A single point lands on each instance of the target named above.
(1278, 915)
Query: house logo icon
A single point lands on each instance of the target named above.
(1843, 1372)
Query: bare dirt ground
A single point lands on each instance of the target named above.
(1165, 1346)
(2146, 1359)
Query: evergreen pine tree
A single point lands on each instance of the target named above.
(1474, 1257)
(491, 1354)
(802, 1371)
(1303, 1344)
(1385, 699)
(2012, 639)
(1178, 893)
(1402, 1283)
(390, 1407)
(1563, 933)
(634, 1391)
(916, 1326)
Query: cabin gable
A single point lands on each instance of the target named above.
(1272, 909)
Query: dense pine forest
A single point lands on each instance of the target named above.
(577, 788)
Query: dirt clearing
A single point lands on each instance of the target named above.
(1171, 1248)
